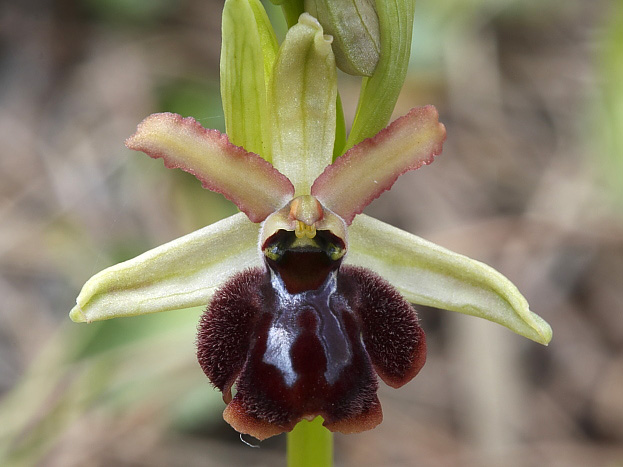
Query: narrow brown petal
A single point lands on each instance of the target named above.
(365, 171)
(244, 178)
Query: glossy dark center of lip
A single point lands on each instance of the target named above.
(309, 323)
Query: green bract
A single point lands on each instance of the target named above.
(354, 26)
(380, 91)
(282, 106)
(249, 44)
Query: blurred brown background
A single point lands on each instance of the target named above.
(530, 181)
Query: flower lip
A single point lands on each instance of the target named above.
(318, 352)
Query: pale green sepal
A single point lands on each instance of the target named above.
(180, 274)
(248, 53)
(430, 275)
(302, 97)
(354, 26)
(379, 93)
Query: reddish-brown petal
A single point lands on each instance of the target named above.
(253, 184)
(394, 341)
(368, 169)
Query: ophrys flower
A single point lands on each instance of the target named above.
(302, 312)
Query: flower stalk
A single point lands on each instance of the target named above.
(310, 445)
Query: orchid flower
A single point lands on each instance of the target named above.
(308, 299)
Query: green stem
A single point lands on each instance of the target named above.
(292, 9)
(310, 445)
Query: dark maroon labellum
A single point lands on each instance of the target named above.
(306, 337)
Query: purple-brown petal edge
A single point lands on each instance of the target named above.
(368, 169)
(250, 182)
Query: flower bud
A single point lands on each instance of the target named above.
(354, 25)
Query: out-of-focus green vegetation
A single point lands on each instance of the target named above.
(131, 11)
(609, 125)
(90, 381)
